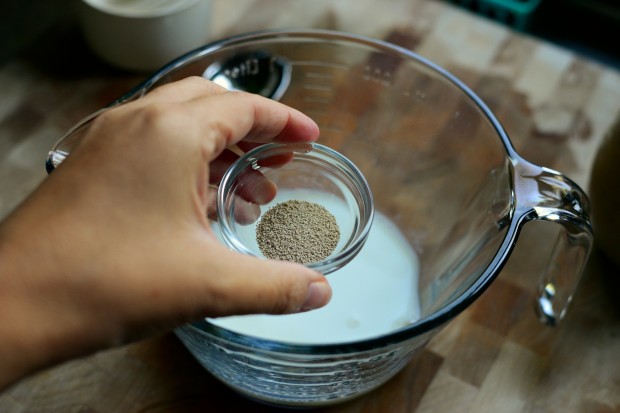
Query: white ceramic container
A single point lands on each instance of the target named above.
(142, 35)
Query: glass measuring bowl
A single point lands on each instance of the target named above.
(442, 170)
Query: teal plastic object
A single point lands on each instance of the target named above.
(515, 13)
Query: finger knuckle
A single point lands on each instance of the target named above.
(220, 135)
(157, 116)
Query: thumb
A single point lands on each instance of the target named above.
(241, 284)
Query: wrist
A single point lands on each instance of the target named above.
(43, 318)
(18, 348)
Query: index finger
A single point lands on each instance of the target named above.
(230, 117)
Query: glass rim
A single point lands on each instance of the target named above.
(343, 164)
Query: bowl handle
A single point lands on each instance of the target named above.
(545, 194)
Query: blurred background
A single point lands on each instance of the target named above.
(585, 26)
(588, 27)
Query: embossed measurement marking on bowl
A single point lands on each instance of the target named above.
(374, 294)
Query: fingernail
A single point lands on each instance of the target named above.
(319, 294)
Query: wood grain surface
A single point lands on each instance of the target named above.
(495, 357)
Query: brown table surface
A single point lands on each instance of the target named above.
(495, 357)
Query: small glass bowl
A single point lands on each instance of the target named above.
(300, 171)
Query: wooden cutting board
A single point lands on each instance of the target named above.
(495, 357)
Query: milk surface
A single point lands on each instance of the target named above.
(372, 295)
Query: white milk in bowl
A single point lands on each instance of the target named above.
(372, 295)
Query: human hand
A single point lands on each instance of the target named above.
(115, 244)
